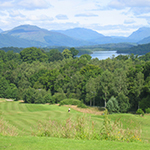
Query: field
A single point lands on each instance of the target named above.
(24, 118)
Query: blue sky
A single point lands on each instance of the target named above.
(109, 17)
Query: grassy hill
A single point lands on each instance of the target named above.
(25, 117)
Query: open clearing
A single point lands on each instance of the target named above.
(24, 117)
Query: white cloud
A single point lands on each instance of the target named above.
(129, 3)
(34, 4)
(63, 26)
(61, 17)
(136, 6)
(108, 17)
(129, 21)
(6, 5)
(15, 13)
(39, 18)
(24, 4)
(86, 15)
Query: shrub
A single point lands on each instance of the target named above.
(147, 110)
(7, 129)
(82, 105)
(70, 102)
(84, 128)
(140, 112)
(58, 97)
(145, 103)
(31, 95)
(81, 128)
(123, 102)
(112, 105)
(114, 130)
(49, 99)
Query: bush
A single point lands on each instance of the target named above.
(112, 105)
(86, 129)
(145, 103)
(114, 130)
(82, 105)
(70, 102)
(31, 95)
(49, 99)
(147, 110)
(58, 97)
(140, 112)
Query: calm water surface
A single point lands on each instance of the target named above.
(105, 54)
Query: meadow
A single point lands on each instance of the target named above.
(22, 119)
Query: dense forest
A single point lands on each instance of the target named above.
(139, 49)
(121, 83)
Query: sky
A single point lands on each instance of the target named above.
(108, 17)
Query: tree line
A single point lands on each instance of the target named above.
(139, 49)
(121, 83)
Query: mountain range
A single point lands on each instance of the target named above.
(29, 35)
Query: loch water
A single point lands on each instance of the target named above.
(105, 54)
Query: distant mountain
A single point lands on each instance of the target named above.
(29, 35)
(139, 49)
(8, 41)
(47, 38)
(140, 34)
(1, 30)
(91, 36)
(81, 33)
(145, 40)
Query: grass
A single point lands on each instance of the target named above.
(2, 100)
(48, 143)
(25, 118)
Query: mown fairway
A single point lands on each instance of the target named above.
(25, 118)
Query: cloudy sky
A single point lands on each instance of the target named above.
(109, 17)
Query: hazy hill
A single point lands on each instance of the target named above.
(1, 30)
(81, 33)
(8, 41)
(139, 49)
(48, 38)
(140, 34)
(29, 35)
(91, 36)
(145, 40)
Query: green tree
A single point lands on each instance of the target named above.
(90, 70)
(4, 85)
(54, 55)
(120, 82)
(33, 54)
(74, 52)
(123, 102)
(91, 91)
(66, 53)
(48, 97)
(112, 105)
(11, 91)
(106, 84)
(146, 70)
(48, 80)
(28, 95)
(87, 56)
(139, 85)
(38, 98)
(145, 102)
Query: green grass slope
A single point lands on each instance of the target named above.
(25, 118)
(48, 143)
